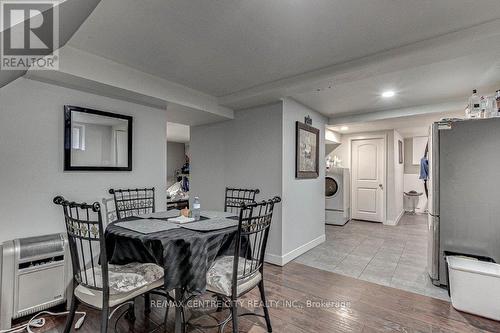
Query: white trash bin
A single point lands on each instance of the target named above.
(474, 286)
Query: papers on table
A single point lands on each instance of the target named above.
(181, 219)
(161, 215)
(151, 223)
(213, 214)
(147, 226)
(211, 224)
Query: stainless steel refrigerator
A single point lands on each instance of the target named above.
(464, 192)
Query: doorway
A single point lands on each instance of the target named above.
(368, 164)
(178, 165)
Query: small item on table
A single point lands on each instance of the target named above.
(185, 212)
(148, 226)
(211, 224)
(181, 219)
(161, 215)
(213, 214)
(196, 208)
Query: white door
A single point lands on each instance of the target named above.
(368, 170)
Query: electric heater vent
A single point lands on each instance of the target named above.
(35, 276)
(40, 245)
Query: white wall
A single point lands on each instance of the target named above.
(409, 167)
(390, 181)
(398, 181)
(332, 136)
(303, 205)
(411, 177)
(257, 149)
(412, 182)
(419, 144)
(207, 153)
(244, 152)
(253, 150)
(31, 146)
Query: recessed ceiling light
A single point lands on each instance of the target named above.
(344, 128)
(388, 94)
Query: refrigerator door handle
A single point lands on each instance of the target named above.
(434, 170)
(433, 248)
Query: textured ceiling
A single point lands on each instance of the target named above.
(221, 47)
(435, 83)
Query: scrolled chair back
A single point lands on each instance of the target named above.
(237, 196)
(108, 211)
(86, 243)
(133, 202)
(253, 230)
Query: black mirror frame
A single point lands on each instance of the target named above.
(67, 139)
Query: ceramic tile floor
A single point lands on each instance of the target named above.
(394, 256)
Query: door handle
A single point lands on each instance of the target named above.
(381, 186)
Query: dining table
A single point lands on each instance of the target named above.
(185, 251)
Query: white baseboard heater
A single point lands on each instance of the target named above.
(35, 275)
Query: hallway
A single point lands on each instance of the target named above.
(394, 256)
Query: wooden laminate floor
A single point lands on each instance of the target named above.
(305, 299)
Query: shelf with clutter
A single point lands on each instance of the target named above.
(480, 107)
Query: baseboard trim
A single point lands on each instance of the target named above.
(273, 259)
(285, 259)
(396, 221)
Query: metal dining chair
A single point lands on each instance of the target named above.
(236, 196)
(96, 283)
(133, 202)
(231, 277)
(109, 211)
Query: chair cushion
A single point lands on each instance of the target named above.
(124, 278)
(219, 276)
(94, 297)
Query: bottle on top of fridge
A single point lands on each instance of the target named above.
(467, 112)
(492, 106)
(475, 105)
(497, 100)
(196, 209)
(484, 107)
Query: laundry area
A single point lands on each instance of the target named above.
(337, 196)
(395, 206)
(376, 190)
(376, 176)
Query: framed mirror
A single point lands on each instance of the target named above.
(96, 140)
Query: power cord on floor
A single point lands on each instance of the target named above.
(36, 322)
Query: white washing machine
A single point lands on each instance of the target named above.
(337, 196)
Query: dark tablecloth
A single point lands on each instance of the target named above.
(186, 255)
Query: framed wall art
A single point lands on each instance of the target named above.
(307, 151)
